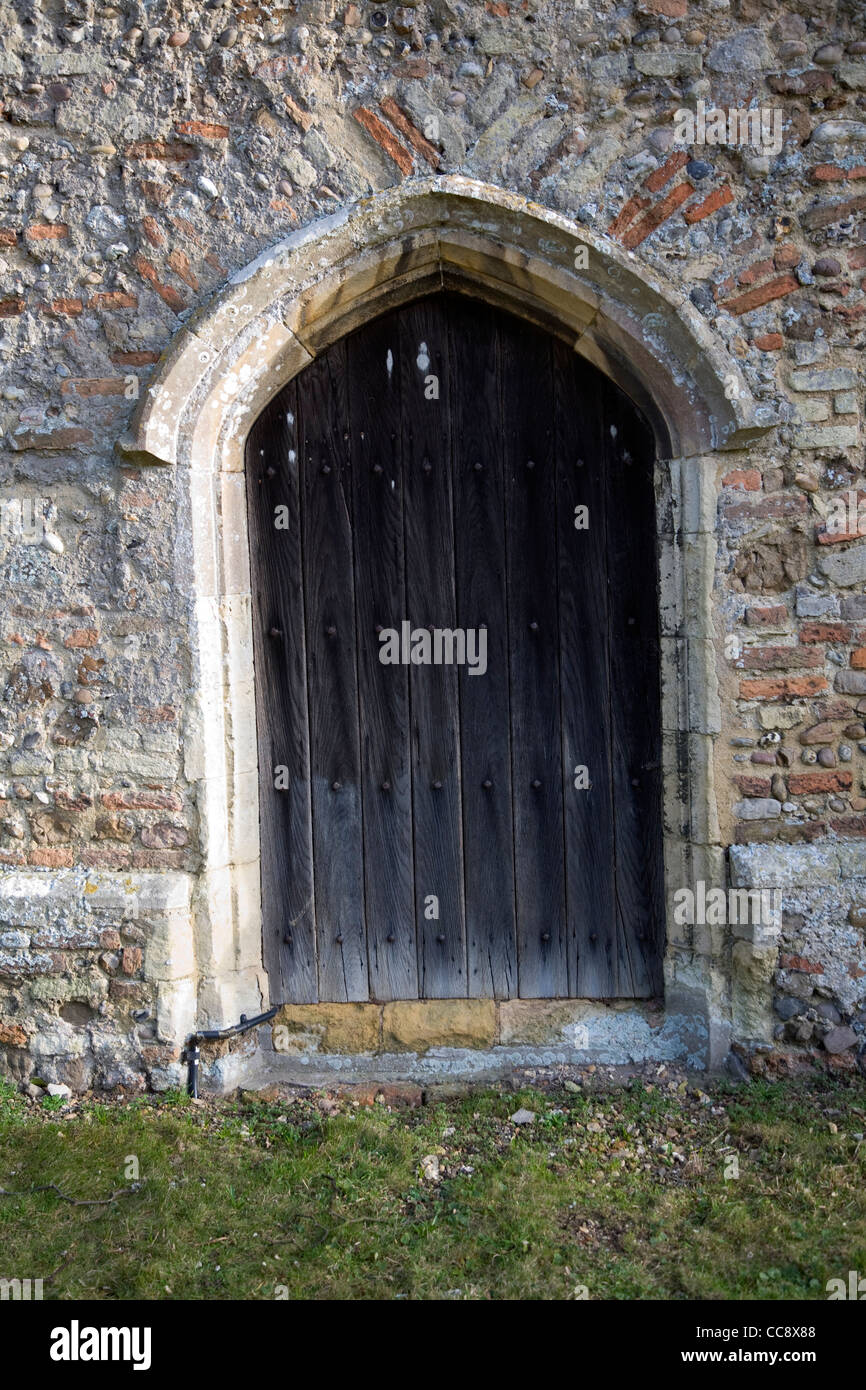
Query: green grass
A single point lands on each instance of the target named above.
(622, 1192)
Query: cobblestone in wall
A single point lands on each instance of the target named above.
(148, 152)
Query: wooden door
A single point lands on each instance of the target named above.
(429, 828)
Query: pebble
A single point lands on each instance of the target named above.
(698, 169)
(55, 1089)
(794, 48)
(808, 755)
(522, 1117)
(207, 186)
(845, 753)
(828, 55)
(837, 804)
(826, 757)
(179, 38)
(229, 37)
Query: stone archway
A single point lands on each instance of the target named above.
(270, 321)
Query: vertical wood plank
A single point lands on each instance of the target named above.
(332, 677)
(288, 903)
(380, 585)
(634, 676)
(431, 603)
(485, 735)
(587, 698)
(529, 460)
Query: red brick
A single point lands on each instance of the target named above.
(169, 295)
(769, 342)
(756, 272)
(159, 859)
(8, 236)
(785, 658)
(671, 9)
(807, 967)
(71, 308)
(627, 213)
(179, 263)
(66, 438)
(809, 783)
(778, 506)
(12, 1035)
(719, 198)
(208, 130)
(786, 257)
(849, 825)
(384, 138)
(782, 687)
(748, 478)
(825, 632)
(105, 857)
(134, 359)
(93, 386)
(50, 858)
(753, 786)
(824, 215)
(665, 172)
(858, 659)
(824, 173)
(639, 231)
(150, 227)
(766, 617)
(47, 231)
(857, 257)
(10, 307)
(763, 294)
(113, 299)
(82, 637)
(169, 151)
(141, 801)
(401, 122)
(130, 960)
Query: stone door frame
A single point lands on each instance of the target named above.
(263, 327)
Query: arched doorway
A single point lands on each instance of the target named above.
(456, 630)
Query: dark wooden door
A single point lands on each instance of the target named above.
(427, 827)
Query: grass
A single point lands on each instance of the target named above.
(622, 1193)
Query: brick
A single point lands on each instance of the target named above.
(105, 857)
(786, 257)
(300, 1029)
(13, 1035)
(93, 386)
(801, 963)
(150, 227)
(179, 263)
(769, 342)
(825, 632)
(753, 786)
(113, 299)
(824, 215)
(780, 506)
(857, 258)
(168, 151)
(746, 478)
(719, 198)
(159, 859)
(11, 307)
(141, 801)
(397, 151)
(626, 215)
(782, 688)
(82, 637)
(164, 835)
(208, 130)
(672, 165)
(823, 173)
(134, 359)
(65, 438)
(808, 783)
(417, 1025)
(169, 295)
(69, 308)
(130, 960)
(47, 231)
(756, 272)
(777, 616)
(670, 9)
(788, 658)
(301, 118)
(763, 294)
(849, 825)
(8, 236)
(401, 122)
(858, 659)
(50, 858)
(640, 230)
